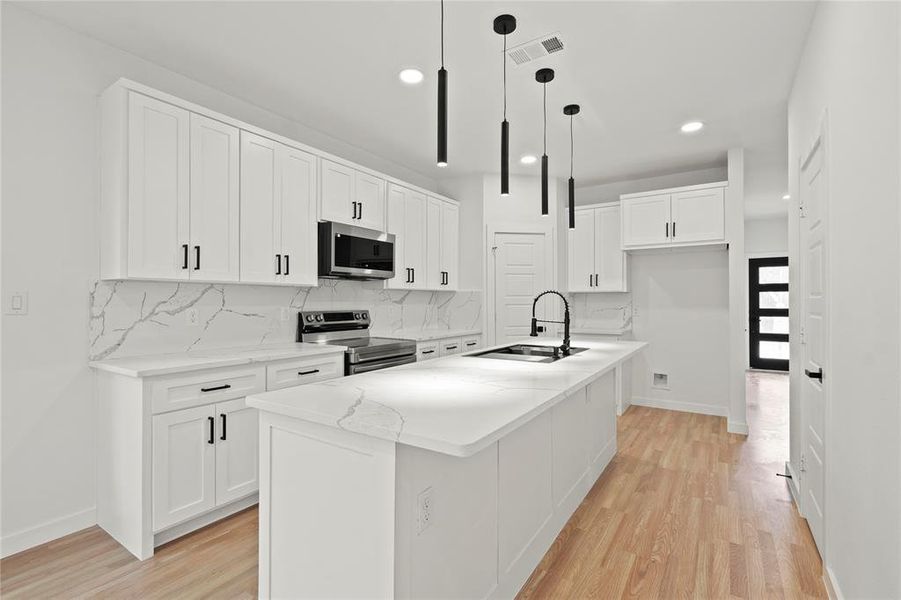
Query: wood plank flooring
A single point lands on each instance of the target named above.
(684, 510)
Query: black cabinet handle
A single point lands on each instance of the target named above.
(212, 439)
(589, 280)
(184, 264)
(818, 375)
(287, 264)
(222, 437)
(310, 372)
(196, 258)
(454, 347)
(361, 211)
(224, 386)
(413, 275)
(428, 351)
(471, 343)
(354, 210)
(278, 262)
(596, 280)
(667, 229)
(674, 230)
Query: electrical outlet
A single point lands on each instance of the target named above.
(424, 513)
(16, 303)
(192, 316)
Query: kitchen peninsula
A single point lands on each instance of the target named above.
(449, 478)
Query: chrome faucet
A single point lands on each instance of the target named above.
(565, 348)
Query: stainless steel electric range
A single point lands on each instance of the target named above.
(350, 328)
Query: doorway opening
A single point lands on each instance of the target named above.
(768, 313)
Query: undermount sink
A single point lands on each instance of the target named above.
(528, 353)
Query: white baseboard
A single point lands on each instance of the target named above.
(835, 592)
(46, 532)
(692, 407)
(736, 427)
(217, 514)
(793, 488)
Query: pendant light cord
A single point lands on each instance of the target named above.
(571, 146)
(442, 34)
(504, 58)
(545, 117)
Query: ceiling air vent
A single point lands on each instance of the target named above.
(535, 49)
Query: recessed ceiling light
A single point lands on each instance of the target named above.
(528, 159)
(692, 127)
(787, 197)
(411, 76)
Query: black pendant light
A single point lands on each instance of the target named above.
(571, 109)
(442, 101)
(503, 25)
(543, 76)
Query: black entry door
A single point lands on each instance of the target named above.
(768, 303)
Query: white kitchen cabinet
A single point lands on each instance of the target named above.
(596, 261)
(443, 235)
(184, 465)
(692, 215)
(351, 196)
(472, 342)
(237, 451)
(427, 351)
(407, 221)
(278, 223)
(214, 200)
(450, 346)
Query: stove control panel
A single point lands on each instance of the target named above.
(312, 321)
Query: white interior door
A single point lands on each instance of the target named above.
(258, 208)
(214, 200)
(296, 219)
(521, 272)
(815, 342)
(237, 450)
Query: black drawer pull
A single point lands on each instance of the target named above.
(310, 372)
(818, 375)
(222, 437)
(212, 439)
(471, 343)
(428, 351)
(224, 386)
(454, 347)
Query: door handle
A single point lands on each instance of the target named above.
(355, 209)
(818, 374)
(361, 211)
(590, 284)
(278, 262)
(217, 388)
(413, 275)
(287, 264)
(674, 230)
(184, 264)
(596, 280)
(197, 258)
(222, 437)
(310, 372)
(667, 229)
(212, 439)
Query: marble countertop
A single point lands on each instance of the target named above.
(600, 330)
(457, 405)
(164, 364)
(426, 335)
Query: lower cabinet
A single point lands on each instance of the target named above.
(447, 346)
(450, 346)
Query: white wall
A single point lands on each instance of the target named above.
(51, 80)
(766, 236)
(610, 192)
(849, 70)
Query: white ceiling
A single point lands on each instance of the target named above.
(639, 69)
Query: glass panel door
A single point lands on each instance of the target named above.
(768, 313)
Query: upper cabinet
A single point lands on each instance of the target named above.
(407, 221)
(443, 234)
(596, 261)
(352, 197)
(678, 217)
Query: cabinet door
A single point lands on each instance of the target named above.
(415, 249)
(698, 216)
(215, 248)
(158, 188)
(450, 245)
(433, 241)
(237, 450)
(258, 209)
(184, 465)
(369, 192)
(337, 197)
(297, 216)
(581, 252)
(645, 221)
(397, 206)
(609, 260)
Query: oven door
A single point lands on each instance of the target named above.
(352, 252)
(357, 368)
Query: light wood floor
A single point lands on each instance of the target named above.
(684, 510)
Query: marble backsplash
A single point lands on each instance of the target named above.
(608, 311)
(131, 318)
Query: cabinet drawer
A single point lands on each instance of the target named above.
(426, 351)
(450, 346)
(305, 370)
(205, 387)
(473, 342)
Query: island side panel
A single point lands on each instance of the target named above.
(327, 501)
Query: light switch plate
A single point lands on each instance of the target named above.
(16, 303)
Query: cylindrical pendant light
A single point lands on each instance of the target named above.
(571, 109)
(543, 76)
(503, 25)
(442, 101)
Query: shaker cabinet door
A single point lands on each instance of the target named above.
(237, 450)
(581, 252)
(259, 204)
(645, 221)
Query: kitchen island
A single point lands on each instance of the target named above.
(449, 478)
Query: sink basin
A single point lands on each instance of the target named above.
(527, 353)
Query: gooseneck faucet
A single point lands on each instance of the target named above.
(566, 346)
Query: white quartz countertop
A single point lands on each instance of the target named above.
(455, 405)
(164, 364)
(426, 335)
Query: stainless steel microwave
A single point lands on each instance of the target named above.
(349, 252)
